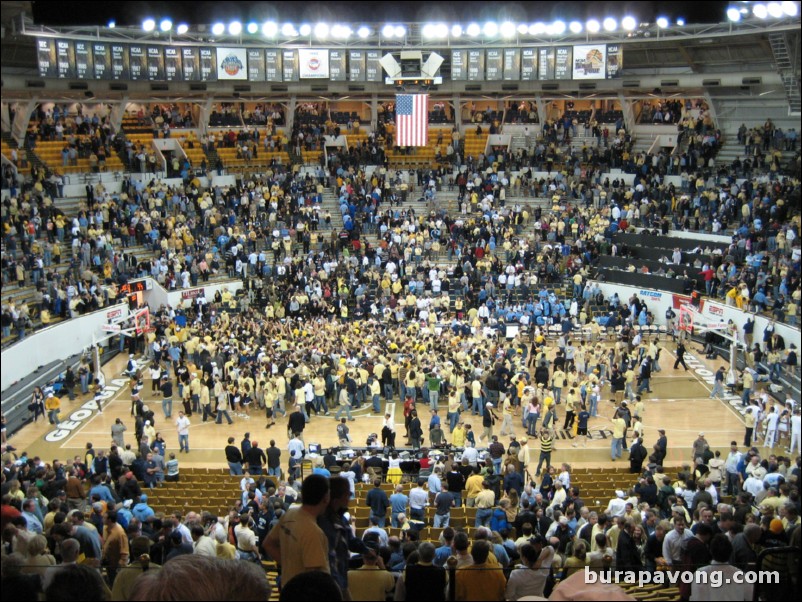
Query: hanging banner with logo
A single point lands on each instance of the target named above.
(314, 63)
(590, 61)
(232, 64)
(290, 64)
(373, 68)
(155, 63)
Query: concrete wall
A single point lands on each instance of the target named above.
(158, 295)
(658, 301)
(700, 236)
(55, 343)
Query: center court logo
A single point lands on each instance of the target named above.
(77, 417)
(709, 378)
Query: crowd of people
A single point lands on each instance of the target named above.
(523, 535)
(267, 208)
(402, 306)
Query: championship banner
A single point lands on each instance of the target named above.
(232, 64)
(314, 63)
(590, 61)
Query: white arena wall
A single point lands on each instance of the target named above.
(55, 343)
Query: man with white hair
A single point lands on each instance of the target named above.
(617, 506)
(559, 495)
(754, 482)
(470, 453)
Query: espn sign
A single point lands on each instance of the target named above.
(114, 313)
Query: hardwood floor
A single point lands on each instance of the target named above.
(679, 404)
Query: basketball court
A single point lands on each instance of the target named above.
(679, 403)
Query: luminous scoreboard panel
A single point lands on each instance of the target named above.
(60, 58)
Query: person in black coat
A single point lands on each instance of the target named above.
(415, 431)
(637, 454)
(627, 555)
(646, 490)
(660, 447)
(542, 374)
(297, 422)
(526, 515)
(680, 356)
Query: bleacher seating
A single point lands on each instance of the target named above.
(425, 156)
(195, 154)
(49, 152)
(211, 489)
(229, 157)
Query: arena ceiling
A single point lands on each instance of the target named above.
(698, 48)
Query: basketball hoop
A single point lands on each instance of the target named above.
(691, 321)
(686, 318)
(142, 321)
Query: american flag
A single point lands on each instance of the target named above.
(412, 119)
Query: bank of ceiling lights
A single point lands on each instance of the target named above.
(737, 11)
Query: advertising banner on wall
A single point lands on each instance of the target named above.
(679, 300)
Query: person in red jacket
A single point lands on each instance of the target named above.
(409, 405)
(7, 512)
(708, 275)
